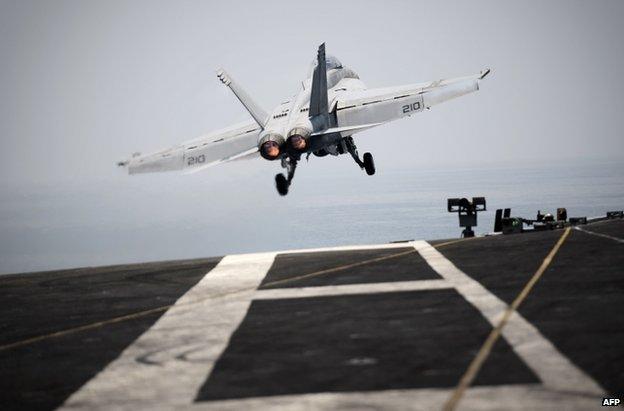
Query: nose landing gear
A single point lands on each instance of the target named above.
(289, 162)
(282, 182)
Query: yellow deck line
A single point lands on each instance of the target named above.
(143, 313)
(486, 348)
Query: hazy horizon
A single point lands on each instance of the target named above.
(86, 84)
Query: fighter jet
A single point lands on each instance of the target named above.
(321, 119)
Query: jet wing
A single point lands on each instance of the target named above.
(236, 142)
(362, 109)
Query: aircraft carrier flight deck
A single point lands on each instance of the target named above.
(522, 321)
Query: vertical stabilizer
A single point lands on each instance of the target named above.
(318, 95)
(252, 107)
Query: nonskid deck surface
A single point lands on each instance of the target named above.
(392, 326)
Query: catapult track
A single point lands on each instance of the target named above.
(419, 325)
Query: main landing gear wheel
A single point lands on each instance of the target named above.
(282, 184)
(369, 164)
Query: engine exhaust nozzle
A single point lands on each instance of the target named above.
(271, 146)
(298, 139)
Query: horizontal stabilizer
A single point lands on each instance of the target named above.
(347, 129)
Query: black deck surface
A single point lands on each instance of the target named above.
(407, 267)
(609, 227)
(578, 304)
(338, 343)
(358, 343)
(43, 374)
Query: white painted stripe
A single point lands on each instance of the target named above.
(552, 367)
(166, 366)
(349, 289)
(503, 397)
(619, 240)
(349, 248)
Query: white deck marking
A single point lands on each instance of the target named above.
(347, 248)
(619, 240)
(165, 367)
(349, 289)
(507, 397)
(552, 367)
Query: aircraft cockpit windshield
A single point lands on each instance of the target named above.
(331, 63)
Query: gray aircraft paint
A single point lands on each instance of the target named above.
(354, 108)
(85, 84)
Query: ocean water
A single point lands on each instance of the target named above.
(120, 219)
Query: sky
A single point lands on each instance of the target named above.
(84, 84)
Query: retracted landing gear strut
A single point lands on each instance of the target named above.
(366, 163)
(282, 182)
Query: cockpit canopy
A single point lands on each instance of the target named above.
(331, 62)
